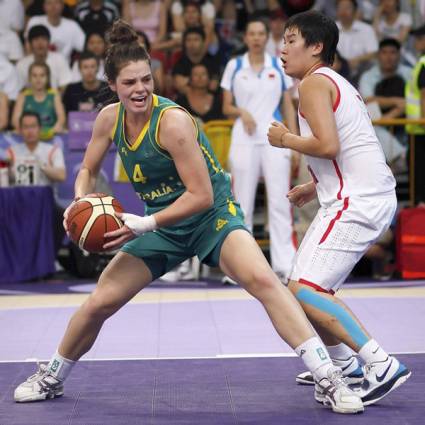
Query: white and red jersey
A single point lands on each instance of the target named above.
(360, 168)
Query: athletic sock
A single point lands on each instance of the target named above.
(340, 352)
(315, 357)
(60, 367)
(372, 352)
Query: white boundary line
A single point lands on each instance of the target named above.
(217, 357)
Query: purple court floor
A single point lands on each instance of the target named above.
(195, 353)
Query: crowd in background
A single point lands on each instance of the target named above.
(52, 56)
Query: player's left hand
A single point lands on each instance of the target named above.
(134, 225)
(276, 132)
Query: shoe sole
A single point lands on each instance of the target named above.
(327, 402)
(350, 381)
(388, 387)
(33, 398)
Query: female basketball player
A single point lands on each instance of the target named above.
(190, 211)
(356, 193)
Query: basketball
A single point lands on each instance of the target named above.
(90, 218)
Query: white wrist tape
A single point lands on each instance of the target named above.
(139, 225)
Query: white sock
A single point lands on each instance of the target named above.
(315, 357)
(60, 367)
(372, 352)
(340, 352)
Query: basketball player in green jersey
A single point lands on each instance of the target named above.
(189, 211)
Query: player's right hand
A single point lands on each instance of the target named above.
(302, 194)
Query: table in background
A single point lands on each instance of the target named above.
(26, 233)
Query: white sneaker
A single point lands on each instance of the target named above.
(171, 276)
(351, 372)
(380, 378)
(226, 280)
(40, 386)
(335, 393)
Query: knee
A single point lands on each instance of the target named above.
(262, 284)
(100, 305)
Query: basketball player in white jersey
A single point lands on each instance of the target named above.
(356, 192)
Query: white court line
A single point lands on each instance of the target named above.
(217, 357)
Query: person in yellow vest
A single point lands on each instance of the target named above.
(415, 108)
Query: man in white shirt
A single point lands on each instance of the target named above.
(357, 40)
(8, 79)
(60, 72)
(10, 44)
(12, 14)
(66, 34)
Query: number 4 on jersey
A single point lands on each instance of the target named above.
(138, 176)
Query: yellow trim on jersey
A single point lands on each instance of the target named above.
(145, 128)
(208, 155)
(159, 120)
(114, 128)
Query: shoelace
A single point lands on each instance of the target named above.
(336, 378)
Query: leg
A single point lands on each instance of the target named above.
(121, 280)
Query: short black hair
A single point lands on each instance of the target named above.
(353, 2)
(194, 30)
(257, 18)
(315, 27)
(30, 114)
(87, 54)
(38, 31)
(389, 42)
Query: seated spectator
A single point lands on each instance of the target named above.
(148, 16)
(341, 66)
(96, 15)
(95, 43)
(90, 94)
(47, 165)
(66, 34)
(12, 14)
(10, 44)
(198, 100)
(357, 40)
(35, 8)
(389, 22)
(42, 100)
(38, 40)
(194, 53)
(4, 111)
(275, 42)
(9, 83)
(156, 65)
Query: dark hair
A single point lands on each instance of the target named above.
(389, 42)
(46, 68)
(257, 18)
(38, 31)
(86, 55)
(315, 27)
(30, 114)
(353, 2)
(146, 41)
(123, 48)
(194, 30)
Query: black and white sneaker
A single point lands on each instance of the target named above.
(334, 392)
(380, 378)
(40, 386)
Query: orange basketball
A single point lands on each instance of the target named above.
(90, 218)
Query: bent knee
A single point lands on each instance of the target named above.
(262, 283)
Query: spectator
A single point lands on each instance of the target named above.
(291, 7)
(156, 65)
(194, 53)
(198, 100)
(148, 16)
(95, 43)
(10, 44)
(357, 40)
(255, 93)
(47, 165)
(38, 40)
(415, 109)
(4, 111)
(42, 100)
(389, 22)
(96, 15)
(341, 66)
(275, 41)
(9, 83)
(90, 94)
(66, 34)
(12, 15)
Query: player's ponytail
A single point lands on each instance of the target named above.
(123, 47)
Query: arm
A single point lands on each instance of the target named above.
(17, 110)
(288, 112)
(232, 111)
(317, 96)
(56, 174)
(60, 113)
(4, 111)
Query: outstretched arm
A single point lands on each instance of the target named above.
(317, 97)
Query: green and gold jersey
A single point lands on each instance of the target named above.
(151, 169)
